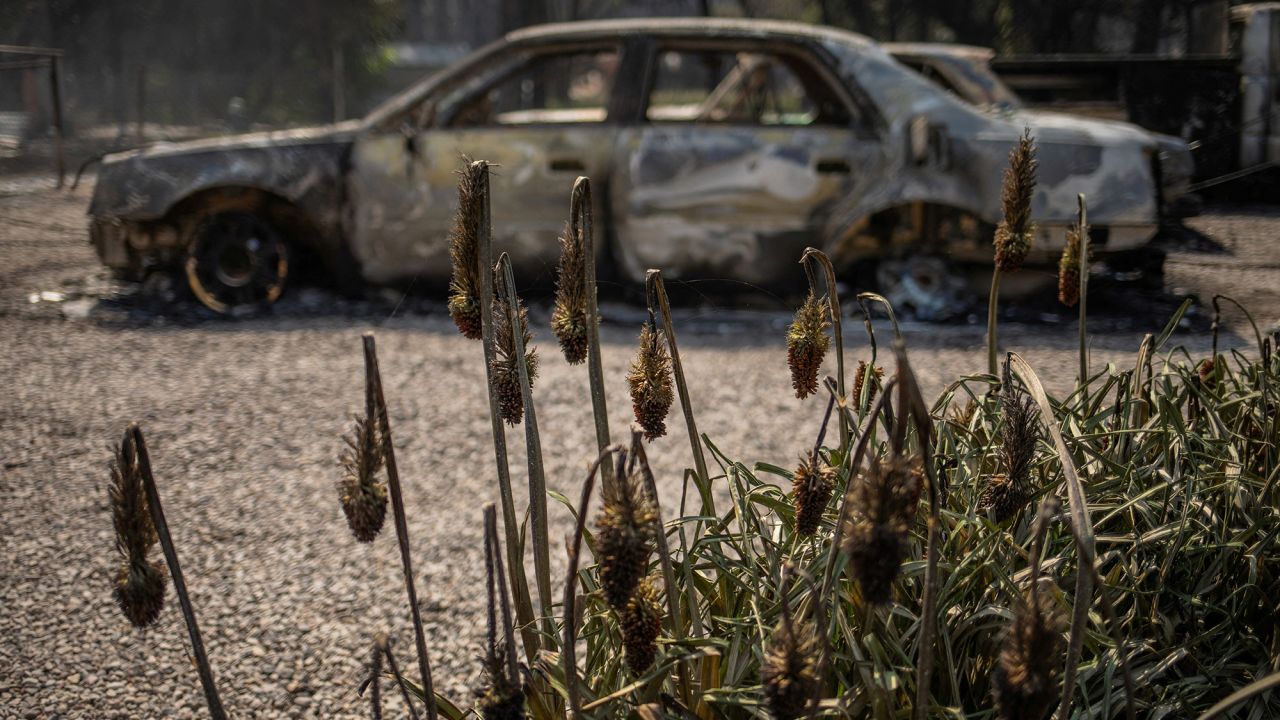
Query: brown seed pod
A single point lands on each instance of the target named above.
(650, 383)
(624, 538)
(877, 539)
(860, 377)
(464, 285)
(1008, 491)
(789, 672)
(569, 316)
(140, 589)
(1025, 681)
(140, 584)
(807, 344)
(1069, 269)
(506, 372)
(811, 491)
(361, 491)
(1015, 232)
(641, 624)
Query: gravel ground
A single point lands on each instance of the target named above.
(244, 421)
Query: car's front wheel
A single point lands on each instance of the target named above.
(236, 262)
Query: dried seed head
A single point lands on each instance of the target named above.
(789, 672)
(464, 241)
(1015, 232)
(361, 491)
(569, 317)
(375, 682)
(506, 371)
(1070, 266)
(811, 490)
(641, 623)
(140, 584)
(1010, 489)
(1025, 686)
(501, 700)
(140, 588)
(624, 538)
(130, 512)
(877, 539)
(650, 382)
(807, 343)
(860, 377)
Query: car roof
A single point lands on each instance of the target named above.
(924, 49)
(688, 27)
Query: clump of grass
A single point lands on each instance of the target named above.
(884, 504)
(649, 381)
(807, 344)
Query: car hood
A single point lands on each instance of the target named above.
(337, 133)
(298, 165)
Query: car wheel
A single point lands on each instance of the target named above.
(236, 262)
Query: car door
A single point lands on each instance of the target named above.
(742, 149)
(540, 116)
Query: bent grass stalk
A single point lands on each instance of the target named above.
(515, 560)
(581, 223)
(1081, 525)
(401, 524)
(533, 442)
(570, 613)
(813, 255)
(653, 280)
(134, 442)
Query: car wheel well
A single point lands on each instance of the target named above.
(284, 216)
(912, 227)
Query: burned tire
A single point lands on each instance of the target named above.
(236, 262)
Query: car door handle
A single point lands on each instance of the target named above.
(567, 165)
(831, 166)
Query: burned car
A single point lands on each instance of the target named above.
(719, 148)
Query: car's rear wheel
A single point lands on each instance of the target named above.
(236, 262)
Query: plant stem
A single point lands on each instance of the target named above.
(133, 437)
(569, 652)
(491, 539)
(675, 620)
(812, 254)
(915, 410)
(385, 646)
(653, 278)
(581, 221)
(402, 526)
(533, 443)
(1083, 223)
(515, 560)
(993, 306)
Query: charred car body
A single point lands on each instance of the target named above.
(719, 148)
